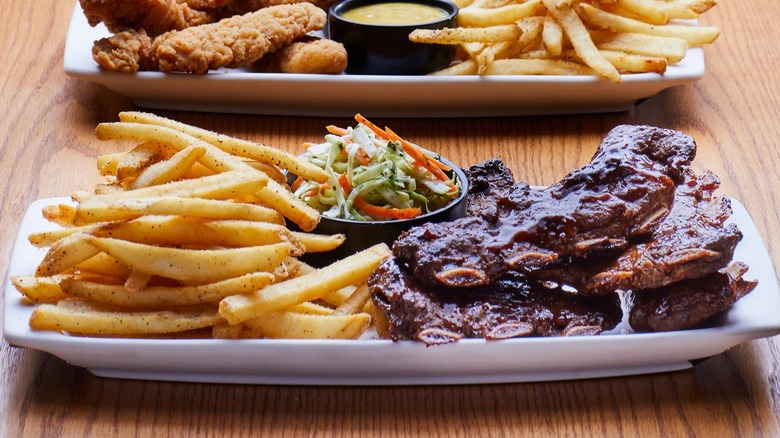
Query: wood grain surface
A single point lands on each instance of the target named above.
(48, 149)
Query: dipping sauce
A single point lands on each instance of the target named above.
(395, 13)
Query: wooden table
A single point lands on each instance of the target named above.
(48, 149)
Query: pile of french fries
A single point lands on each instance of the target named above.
(187, 237)
(571, 37)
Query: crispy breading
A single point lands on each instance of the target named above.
(127, 52)
(307, 55)
(235, 41)
(153, 16)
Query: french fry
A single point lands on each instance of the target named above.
(462, 35)
(235, 146)
(348, 271)
(156, 297)
(467, 67)
(104, 265)
(43, 239)
(507, 14)
(319, 242)
(694, 35)
(124, 209)
(66, 253)
(356, 302)
(552, 36)
(181, 231)
(139, 158)
(293, 325)
(137, 280)
(214, 158)
(39, 289)
(644, 11)
(276, 196)
(536, 67)
(628, 62)
(669, 48)
(107, 164)
(88, 319)
(227, 185)
(580, 39)
(192, 265)
(169, 170)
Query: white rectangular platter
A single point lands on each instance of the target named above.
(241, 91)
(371, 361)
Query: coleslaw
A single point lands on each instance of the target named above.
(373, 174)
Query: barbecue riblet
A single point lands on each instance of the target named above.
(692, 241)
(624, 192)
(688, 303)
(510, 307)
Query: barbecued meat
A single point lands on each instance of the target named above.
(510, 307)
(622, 194)
(488, 182)
(688, 303)
(692, 241)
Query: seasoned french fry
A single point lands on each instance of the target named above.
(319, 242)
(124, 209)
(43, 239)
(356, 302)
(580, 39)
(88, 319)
(164, 296)
(508, 14)
(105, 265)
(293, 325)
(461, 35)
(40, 289)
(536, 67)
(468, 67)
(139, 158)
(235, 146)
(351, 270)
(644, 10)
(66, 253)
(227, 185)
(215, 159)
(671, 49)
(276, 196)
(694, 35)
(552, 36)
(169, 170)
(193, 265)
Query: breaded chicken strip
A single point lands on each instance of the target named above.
(127, 52)
(235, 41)
(153, 16)
(232, 42)
(307, 55)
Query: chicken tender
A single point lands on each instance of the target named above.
(127, 52)
(308, 55)
(153, 16)
(235, 41)
(232, 42)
